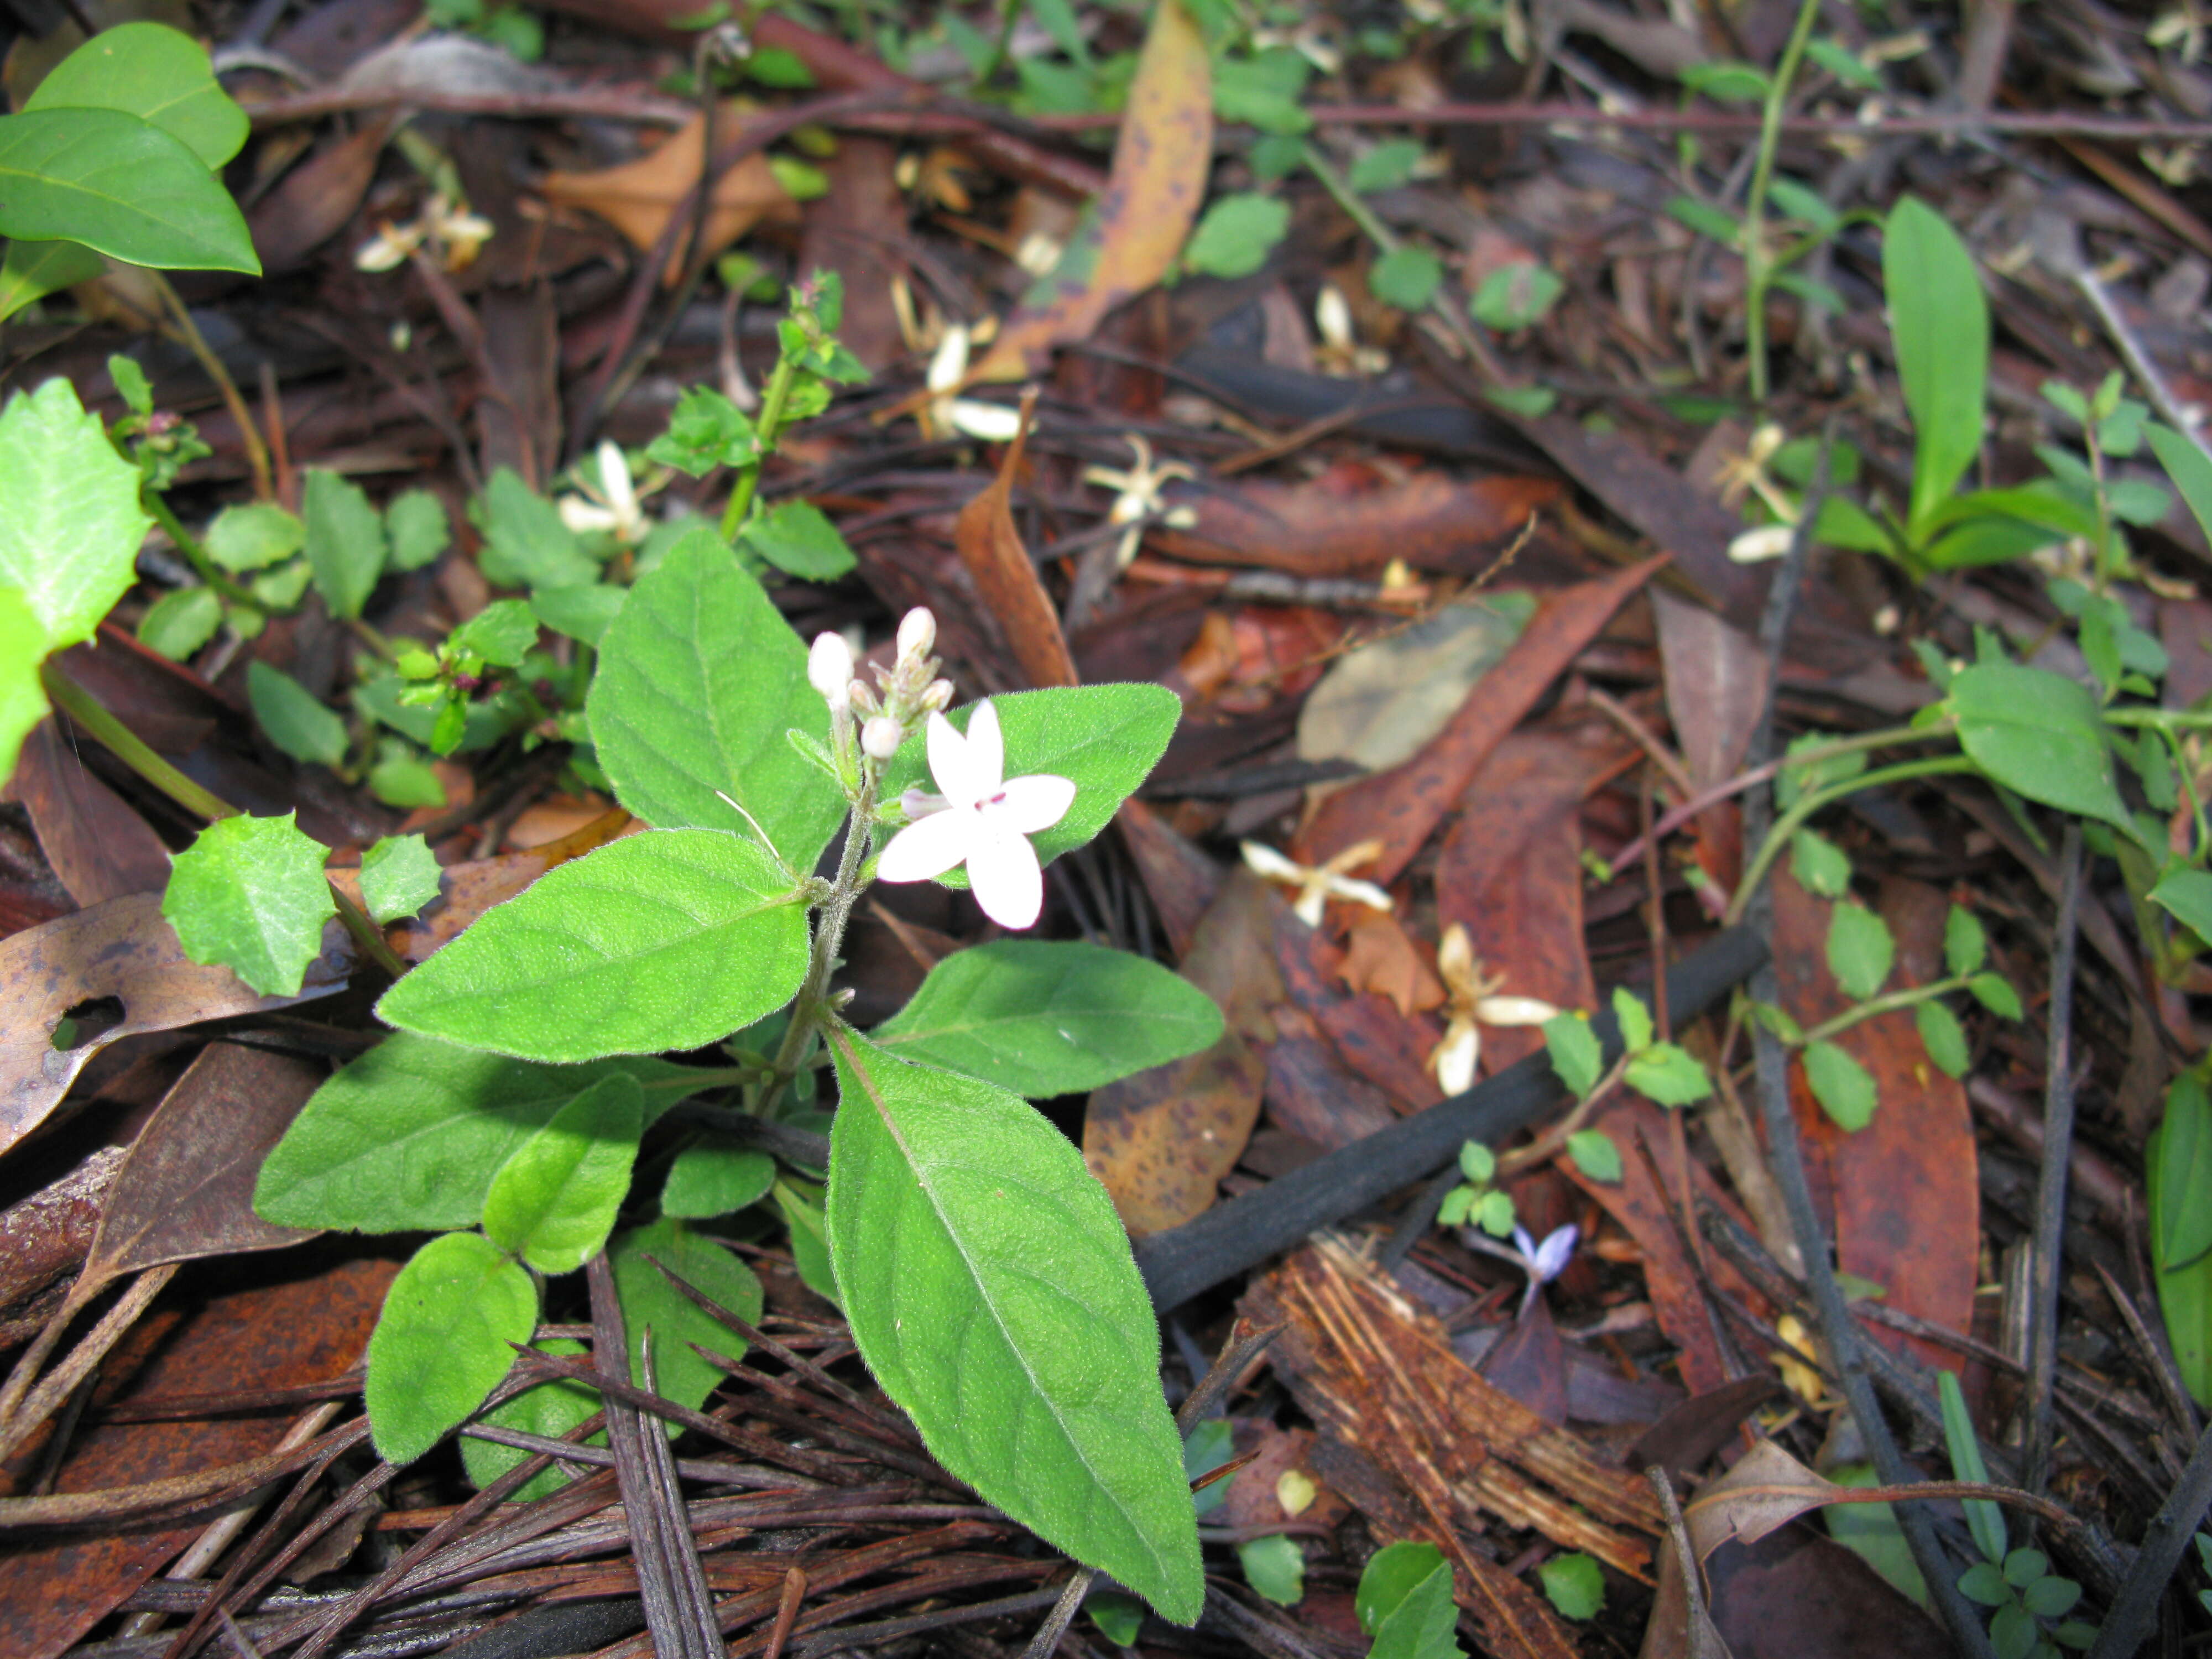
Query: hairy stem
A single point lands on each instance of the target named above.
(771, 419)
(195, 554)
(810, 1009)
(249, 435)
(1788, 823)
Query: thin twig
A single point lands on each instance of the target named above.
(2128, 1621)
(2051, 1183)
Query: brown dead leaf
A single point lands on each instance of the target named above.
(1161, 157)
(638, 196)
(317, 198)
(125, 950)
(1403, 806)
(1716, 688)
(99, 848)
(1353, 521)
(1766, 1489)
(1005, 577)
(1679, 1627)
(1181, 880)
(1381, 957)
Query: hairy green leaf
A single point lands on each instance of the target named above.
(525, 544)
(417, 528)
(797, 538)
(553, 1201)
(1405, 1602)
(69, 519)
(549, 1410)
(249, 893)
(651, 1304)
(344, 539)
(667, 940)
(716, 1176)
(398, 877)
(443, 1341)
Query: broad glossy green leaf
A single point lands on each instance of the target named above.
(550, 1409)
(157, 73)
(121, 187)
(22, 699)
(716, 1176)
(249, 893)
(2185, 1294)
(294, 719)
(667, 940)
(1405, 1602)
(1048, 1017)
(2186, 894)
(525, 544)
(1860, 950)
(553, 1201)
(2038, 733)
(2185, 1153)
(1845, 1088)
(69, 519)
(398, 877)
(345, 542)
(1105, 739)
(443, 1341)
(991, 1289)
(698, 679)
(1940, 323)
(410, 1134)
(180, 621)
(651, 1303)
(1943, 1037)
(33, 270)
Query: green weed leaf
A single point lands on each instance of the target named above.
(1275, 1568)
(292, 717)
(1668, 1074)
(1845, 1088)
(1994, 993)
(651, 1303)
(553, 1201)
(798, 538)
(1943, 1037)
(121, 187)
(672, 939)
(1595, 1155)
(549, 1410)
(716, 1176)
(444, 1341)
(1940, 323)
(180, 621)
(1237, 236)
(253, 537)
(698, 679)
(1516, 296)
(1860, 951)
(525, 544)
(2038, 733)
(1047, 1017)
(1405, 1602)
(1015, 1334)
(1575, 1584)
(345, 541)
(502, 633)
(2184, 1174)
(398, 877)
(2185, 1294)
(1820, 867)
(1633, 1019)
(69, 519)
(706, 430)
(249, 893)
(809, 1237)
(1984, 1520)
(1965, 943)
(415, 528)
(1408, 277)
(1576, 1056)
(23, 641)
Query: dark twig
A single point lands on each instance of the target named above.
(2051, 1184)
(2129, 1618)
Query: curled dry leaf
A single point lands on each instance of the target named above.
(1353, 523)
(99, 848)
(638, 196)
(1007, 577)
(121, 951)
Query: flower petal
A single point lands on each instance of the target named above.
(1514, 1011)
(1028, 805)
(986, 750)
(929, 847)
(990, 424)
(1008, 882)
(954, 766)
(583, 517)
(948, 366)
(1264, 860)
(1455, 1056)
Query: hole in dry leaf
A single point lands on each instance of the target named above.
(87, 1022)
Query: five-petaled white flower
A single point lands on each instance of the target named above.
(947, 412)
(1473, 1003)
(1138, 498)
(613, 506)
(985, 823)
(1318, 885)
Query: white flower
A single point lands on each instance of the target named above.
(986, 822)
(945, 414)
(460, 234)
(389, 248)
(830, 670)
(1472, 1004)
(1317, 886)
(613, 506)
(1140, 499)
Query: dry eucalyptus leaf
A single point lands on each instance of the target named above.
(1681, 1626)
(121, 953)
(637, 198)
(1380, 702)
(1768, 1488)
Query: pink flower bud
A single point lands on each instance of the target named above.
(916, 633)
(830, 669)
(881, 737)
(937, 698)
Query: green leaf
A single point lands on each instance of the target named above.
(1940, 323)
(1405, 1602)
(1452, 1212)
(69, 519)
(249, 893)
(525, 544)
(1408, 277)
(1595, 1155)
(809, 1237)
(502, 633)
(121, 187)
(1984, 1584)
(991, 1289)
(1994, 993)
(1047, 1017)
(1576, 1056)
(1264, 89)
(1275, 1568)
(1386, 167)
(1206, 1449)
(549, 1410)
(698, 679)
(1119, 1617)
(1870, 1531)
(1799, 780)
(23, 643)
(705, 431)
(180, 621)
(2184, 1174)
(2188, 465)
(1667, 1073)
(2185, 1294)
(399, 876)
(672, 939)
(1820, 867)
(417, 528)
(2038, 733)
(344, 541)
(33, 270)
(409, 1135)
(2023, 1567)
(798, 538)
(1706, 219)
(1845, 1088)
(1726, 81)
(1965, 943)
(1633, 1019)
(295, 720)
(1574, 1585)
(1237, 236)
(253, 537)
(553, 1201)
(581, 613)
(1860, 950)
(157, 73)
(1477, 1162)
(1105, 739)
(1493, 1213)
(401, 779)
(2013, 1633)
(2186, 894)
(1516, 296)
(1943, 1037)
(716, 1176)
(651, 1303)
(1984, 1520)
(2050, 1598)
(444, 1341)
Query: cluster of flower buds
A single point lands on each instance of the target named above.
(904, 695)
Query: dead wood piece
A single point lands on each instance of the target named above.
(46, 1236)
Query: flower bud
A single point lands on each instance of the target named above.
(882, 736)
(862, 696)
(937, 698)
(917, 634)
(920, 803)
(830, 669)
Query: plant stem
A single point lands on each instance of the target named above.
(771, 419)
(127, 746)
(1889, 1003)
(1789, 823)
(811, 1008)
(1759, 268)
(249, 434)
(195, 554)
(1010, 12)
(1548, 1144)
